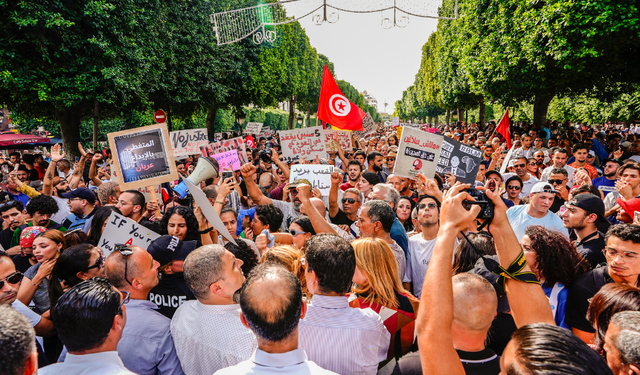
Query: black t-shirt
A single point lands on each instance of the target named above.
(170, 293)
(341, 218)
(580, 294)
(33, 174)
(485, 362)
(5, 238)
(557, 204)
(592, 251)
(22, 263)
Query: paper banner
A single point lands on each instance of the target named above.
(418, 152)
(318, 175)
(120, 230)
(343, 136)
(227, 145)
(460, 160)
(208, 211)
(302, 143)
(188, 142)
(228, 160)
(253, 128)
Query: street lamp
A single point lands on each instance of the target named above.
(300, 119)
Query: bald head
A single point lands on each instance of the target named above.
(474, 302)
(134, 264)
(319, 205)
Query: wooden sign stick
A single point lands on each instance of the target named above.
(154, 198)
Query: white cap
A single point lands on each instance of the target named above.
(543, 187)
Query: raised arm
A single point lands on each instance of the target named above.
(281, 166)
(93, 175)
(56, 156)
(317, 219)
(225, 188)
(248, 170)
(344, 160)
(78, 169)
(333, 194)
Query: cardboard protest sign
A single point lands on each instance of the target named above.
(368, 127)
(188, 142)
(302, 143)
(399, 131)
(507, 158)
(418, 152)
(120, 230)
(265, 132)
(143, 156)
(228, 160)
(253, 128)
(460, 160)
(207, 210)
(343, 136)
(227, 145)
(395, 121)
(318, 174)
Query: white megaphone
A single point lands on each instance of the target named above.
(204, 169)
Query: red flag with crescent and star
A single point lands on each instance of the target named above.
(335, 108)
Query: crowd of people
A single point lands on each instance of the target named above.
(382, 275)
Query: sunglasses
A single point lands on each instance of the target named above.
(98, 264)
(14, 278)
(349, 200)
(555, 182)
(9, 204)
(125, 251)
(391, 159)
(294, 232)
(519, 165)
(430, 205)
(126, 297)
(512, 187)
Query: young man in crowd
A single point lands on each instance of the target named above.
(583, 214)
(520, 169)
(559, 160)
(607, 182)
(354, 170)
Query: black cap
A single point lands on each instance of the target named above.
(618, 161)
(590, 203)
(165, 249)
(82, 193)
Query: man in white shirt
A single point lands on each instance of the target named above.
(536, 212)
(335, 336)
(18, 354)
(207, 333)
(520, 169)
(272, 288)
(560, 157)
(89, 319)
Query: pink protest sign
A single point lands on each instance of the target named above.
(228, 160)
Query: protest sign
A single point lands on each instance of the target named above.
(460, 160)
(265, 132)
(395, 121)
(343, 136)
(120, 230)
(418, 152)
(207, 210)
(145, 190)
(253, 128)
(228, 160)
(143, 156)
(368, 127)
(319, 175)
(507, 158)
(188, 142)
(399, 131)
(302, 143)
(227, 145)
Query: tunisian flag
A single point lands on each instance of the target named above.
(504, 129)
(335, 108)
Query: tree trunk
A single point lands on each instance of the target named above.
(435, 121)
(211, 121)
(460, 115)
(169, 127)
(96, 111)
(69, 119)
(482, 111)
(292, 112)
(447, 117)
(540, 108)
(430, 120)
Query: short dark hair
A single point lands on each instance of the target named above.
(425, 196)
(17, 340)
(493, 171)
(561, 171)
(275, 315)
(138, 198)
(243, 252)
(561, 150)
(43, 204)
(84, 315)
(229, 209)
(625, 232)
(372, 156)
(14, 153)
(624, 167)
(360, 152)
(580, 146)
(381, 211)
(333, 260)
(11, 204)
(270, 215)
(513, 178)
(354, 162)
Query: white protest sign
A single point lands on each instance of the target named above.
(120, 230)
(505, 162)
(253, 128)
(302, 143)
(264, 132)
(368, 127)
(395, 121)
(207, 210)
(343, 136)
(318, 175)
(418, 152)
(188, 142)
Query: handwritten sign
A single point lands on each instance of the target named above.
(225, 146)
(460, 160)
(302, 143)
(344, 137)
(418, 152)
(188, 142)
(120, 230)
(265, 132)
(368, 127)
(143, 156)
(228, 160)
(253, 128)
(318, 175)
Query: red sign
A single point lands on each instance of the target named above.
(160, 116)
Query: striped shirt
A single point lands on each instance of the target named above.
(343, 339)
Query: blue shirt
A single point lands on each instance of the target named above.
(399, 235)
(604, 184)
(146, 346)
(74, 221)
(22, 197)
(520, 219)
(562, 305)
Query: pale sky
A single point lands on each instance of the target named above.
(381, 61)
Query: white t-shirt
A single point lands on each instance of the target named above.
(418, 258)
(547, 172)
(526, 185)
(63, 210)
(520, 220)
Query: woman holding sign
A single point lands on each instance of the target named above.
(187, 225)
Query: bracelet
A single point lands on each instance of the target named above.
(205, 231)
(36, 285)
(222, 203)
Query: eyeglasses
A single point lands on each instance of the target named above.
(9, 204)
(555, 182)
(391, 159)
(279, 171)
(14, 278)
(125, 251)
(296, 232)
(627, 256)
(430, 205)
(535, 163)
(519, 165)
(514, 187)
(126, 297)
(349, 200)
(98, 264)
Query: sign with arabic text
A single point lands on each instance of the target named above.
(143, 156)
(460, 160)
(228, 160)
(225, 146)
(302, 143)
(265, 132)
(121, 230)
(319, 175)
(368, 127)
(343, 136)
(188, 142)
(418, 152)
(253, 128)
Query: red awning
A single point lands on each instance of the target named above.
(13, 139)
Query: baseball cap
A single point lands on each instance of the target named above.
(626, 144)
(165, 249)
(82, 193)
(301, 181)
(589, 203)
(543, 187)
(630, 206)
(29, 234)
(591, 154)
(614, 160)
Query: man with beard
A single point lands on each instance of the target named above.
(354, 170)
(559, 161)
(401, 184)
(493, 181)
(13, 217)
(607, 182)
(585, 214)
(40, 208)
(82, 204)
(375, 162)
(351, 203)
(580, 152)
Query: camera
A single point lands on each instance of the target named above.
(265, 155)
(481, 199)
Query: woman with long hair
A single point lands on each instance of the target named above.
(403, 212)
(99, 222)
(532, 167)
(290, 258)
(556, 263)
(393, 140)
(378, 286)
(47, 247)
(183, 223)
